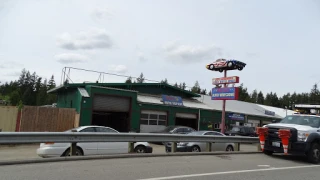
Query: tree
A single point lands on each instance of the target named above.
(314, 94)
(183, 86)
(210, 93)
(243, 94)
(203, 91)
(141, 78)
(52, 83)
(15, 98)
(165, 81)
(254, 96)
(176, 85)
(129, 80)
(196, 88)
(260, 98)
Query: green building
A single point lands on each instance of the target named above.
(146, 107)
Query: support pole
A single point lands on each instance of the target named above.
(223, 118)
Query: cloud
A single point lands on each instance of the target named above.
(142, 57)
(179, 53)
(92, 39)
(16, 74)
(9, 64)
(101, 13)
(121, 69)
(70, 58)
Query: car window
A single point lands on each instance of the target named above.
(189, 130)
(90, 129)
(242, 130)
(179, 130)
(106, 130)
(209, 133)
(217, 134)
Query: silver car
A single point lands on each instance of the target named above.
(201, 146)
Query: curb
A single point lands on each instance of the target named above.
(121, 156)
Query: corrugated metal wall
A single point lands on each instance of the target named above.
(8, 118)
(41, 119)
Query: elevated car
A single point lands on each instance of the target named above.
(223, 64)
(91, 148)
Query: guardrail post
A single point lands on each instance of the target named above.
(131, 147)
(173, 147)
(237, 147)
(73, 146)
(209, 147)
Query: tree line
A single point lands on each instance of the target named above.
(269, 99)
(29, 89)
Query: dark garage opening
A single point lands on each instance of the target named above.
(116, 120)
(189, 120)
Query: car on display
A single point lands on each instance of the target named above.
(174, 130)
(201, 146)
(241, 131)
(223, 64)
(304, 139)
(91, 148)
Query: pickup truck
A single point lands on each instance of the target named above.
(304, 140)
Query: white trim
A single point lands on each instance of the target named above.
(153, 112)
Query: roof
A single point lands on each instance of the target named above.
(189, 103)
(279, 111)
(120, 86)
(237, 107)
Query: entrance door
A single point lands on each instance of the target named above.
(187, 119)
(111, 147)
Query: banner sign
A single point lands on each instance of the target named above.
(225, 80)
(270, 113)
(237, 117)
(172, 100)
(229, 93)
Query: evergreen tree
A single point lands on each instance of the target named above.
(260, 98)
(129, 80)
(141, 78)
(176, 85)
(254, 96)
(196, 88)
(165, 81)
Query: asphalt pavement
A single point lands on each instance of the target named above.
(221, 167)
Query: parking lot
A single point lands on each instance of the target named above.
(21, 152)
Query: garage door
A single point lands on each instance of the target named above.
(111, 103)
(186, 115)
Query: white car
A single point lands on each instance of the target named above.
(91, 148)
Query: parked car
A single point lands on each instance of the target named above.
(223, 64)
(174, 130)
(241, 131)
(91, 148)
(201, 146)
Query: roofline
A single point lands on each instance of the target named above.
(114, 89)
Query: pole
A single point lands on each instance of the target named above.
(223, 118)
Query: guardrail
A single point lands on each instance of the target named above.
(131, 138)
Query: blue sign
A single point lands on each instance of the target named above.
(229, 93)
(270, 113)
(237, 117)
(172, 100)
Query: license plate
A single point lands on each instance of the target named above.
(276, 144)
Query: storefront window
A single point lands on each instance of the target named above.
(153, 119)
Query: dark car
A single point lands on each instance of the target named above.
(175, 130)
(241, 131)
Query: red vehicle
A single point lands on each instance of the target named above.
(223, 64)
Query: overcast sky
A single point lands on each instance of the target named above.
(173, 39)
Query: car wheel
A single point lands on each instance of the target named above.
(78, 152)
(266, 152)
(230, 64)
(195, 149)
(140, 149)
(220, 70)
(314, 153)
(211, 67)
(240, 68)
(229, 148)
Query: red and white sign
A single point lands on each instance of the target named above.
(225, 80)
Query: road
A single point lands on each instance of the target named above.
(22, 152)
(227, 167)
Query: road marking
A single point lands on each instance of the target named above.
(230, 172)
(263, 165)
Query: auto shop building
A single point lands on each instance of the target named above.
(146, 107)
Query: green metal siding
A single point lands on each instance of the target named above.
(69, 99)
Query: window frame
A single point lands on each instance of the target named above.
(157, 119)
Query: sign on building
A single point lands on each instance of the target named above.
(172, 100)
(270, 113)
(235, 116)
(229, 93)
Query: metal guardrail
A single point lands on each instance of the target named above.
(78, 137)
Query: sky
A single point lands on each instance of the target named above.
(278, 40)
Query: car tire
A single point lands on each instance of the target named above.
(78, 152)
(240, 68)
(140, 149)
(195, 149)
(211, 66)
(266, 152)
(229, 148)
(221, 70)
(313, 154)
(230, 64)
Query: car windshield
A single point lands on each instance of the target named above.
(71, 130)
(312, 121)
(235, 129)
(169, 128)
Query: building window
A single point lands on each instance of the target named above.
(153, 119)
